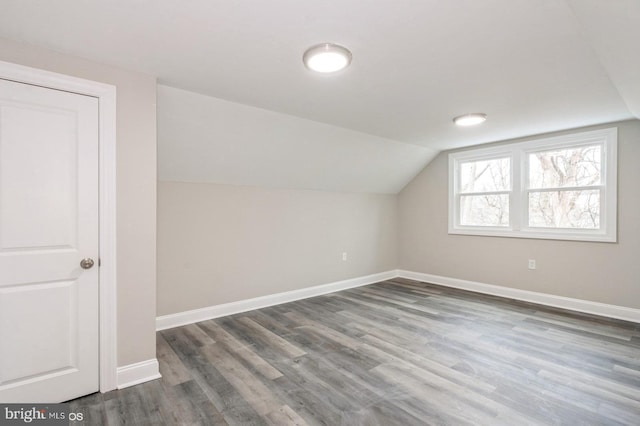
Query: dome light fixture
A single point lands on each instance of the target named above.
(326, 58)
(470, 119)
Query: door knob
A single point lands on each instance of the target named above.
(86, 263)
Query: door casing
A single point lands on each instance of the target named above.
(106, 95)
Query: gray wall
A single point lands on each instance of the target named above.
(224, 243)
(600, 272)
(136, 189)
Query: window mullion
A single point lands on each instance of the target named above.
(516, 212)
(480, 194)
(566, 188)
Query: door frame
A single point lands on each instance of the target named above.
(106, 95)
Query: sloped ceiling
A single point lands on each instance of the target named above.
(532, 65)
(613, 29)
(204, 139)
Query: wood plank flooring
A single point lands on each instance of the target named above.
(398, 352)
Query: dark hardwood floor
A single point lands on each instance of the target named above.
(394, 353)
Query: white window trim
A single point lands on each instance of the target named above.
(518, 213)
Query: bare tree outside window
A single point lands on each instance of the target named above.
(560, 187)
(564, 188)
(485, 186)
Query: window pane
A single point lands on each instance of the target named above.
(577, 166)
(484, 210)
(486, 175)
(565, 209)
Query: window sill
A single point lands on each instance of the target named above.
(535, 234)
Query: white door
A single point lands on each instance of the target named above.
(48, 224)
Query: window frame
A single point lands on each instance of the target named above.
(518, 152)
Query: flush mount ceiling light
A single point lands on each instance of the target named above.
(470, 119)
(326, 57)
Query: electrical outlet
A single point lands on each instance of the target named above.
(532, 264)
(344, 256)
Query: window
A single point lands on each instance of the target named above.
(485, 189)
(557, 188)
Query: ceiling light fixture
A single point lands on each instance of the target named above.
(470, 119)
(326, 57)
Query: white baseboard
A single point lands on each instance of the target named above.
(189, 317)
(140, 372)
(595, 308)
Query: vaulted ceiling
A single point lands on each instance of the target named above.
(532, 66)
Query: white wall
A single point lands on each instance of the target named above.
(600, 272)
(136, 189)
(224, 243)
(204, 139)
